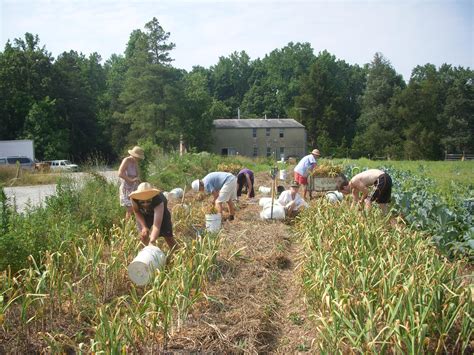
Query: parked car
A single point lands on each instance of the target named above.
(63, 165)
(25, 162)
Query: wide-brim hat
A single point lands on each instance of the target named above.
(144, 191)
(316, 152)
(137, 152)
(294, 184)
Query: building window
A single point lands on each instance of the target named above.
(268, 132)
(282, 152)
(282, 134)
(255, 151)
(254, 132)
(269, 151)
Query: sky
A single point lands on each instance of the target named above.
(407, 33)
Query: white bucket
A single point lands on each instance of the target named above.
(142, 268)
(264, 190)
(176, 193)
(282, 174)
(334, 196)
(213, 222)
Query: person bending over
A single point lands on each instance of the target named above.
(360, 186)
(150, 207)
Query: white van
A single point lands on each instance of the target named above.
(63, 165)
(25, 162)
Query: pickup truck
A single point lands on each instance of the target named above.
(63, 165)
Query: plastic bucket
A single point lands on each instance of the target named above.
(213, 222)
(282, 174)
(176, 193)
(264, 190)
(142, 268)
(334, 196)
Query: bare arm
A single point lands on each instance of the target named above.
(215, 195)
(140, 219)
(157, 220)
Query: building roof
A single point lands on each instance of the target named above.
(257, 123)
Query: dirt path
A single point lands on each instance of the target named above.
(255, 304)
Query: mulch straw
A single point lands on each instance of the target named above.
(257, 289)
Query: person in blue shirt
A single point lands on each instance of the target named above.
(304, 168)
(222, 186)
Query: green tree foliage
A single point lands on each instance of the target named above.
(76, 87)
(275, 80)
(75, 106)
(378, 129)
(43, 125)
(25, 78)
(458, 114)
(328, 103)
(150, 103)
(229, 79)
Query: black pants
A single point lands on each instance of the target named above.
(383, 191)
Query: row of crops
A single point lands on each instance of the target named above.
(381, 284)
(81, 300)
(373, 284)
(446, 215)
(377, 288)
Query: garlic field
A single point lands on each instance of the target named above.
(335, 280)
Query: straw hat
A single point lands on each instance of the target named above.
(195, 185)
(137, 152)
(316, 152)
(144, 191)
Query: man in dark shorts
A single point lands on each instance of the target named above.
(150, 207)
(359, 186)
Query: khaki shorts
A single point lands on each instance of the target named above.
(228, 191)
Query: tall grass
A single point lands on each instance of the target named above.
(73, 212)
(374, 288)
(79, 298)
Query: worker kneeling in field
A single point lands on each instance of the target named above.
(245, 178)
(222, 186)
(360, 184)
(292, 200)
(150, 207)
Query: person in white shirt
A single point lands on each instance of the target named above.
(304, 167)
(292, 200)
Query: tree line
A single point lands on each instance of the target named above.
(73, 106)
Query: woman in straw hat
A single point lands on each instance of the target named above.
(128, 173)
(150, 207)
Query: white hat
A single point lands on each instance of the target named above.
(195, 185)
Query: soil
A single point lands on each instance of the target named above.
(255, 305)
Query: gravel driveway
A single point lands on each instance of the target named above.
(23, 197)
